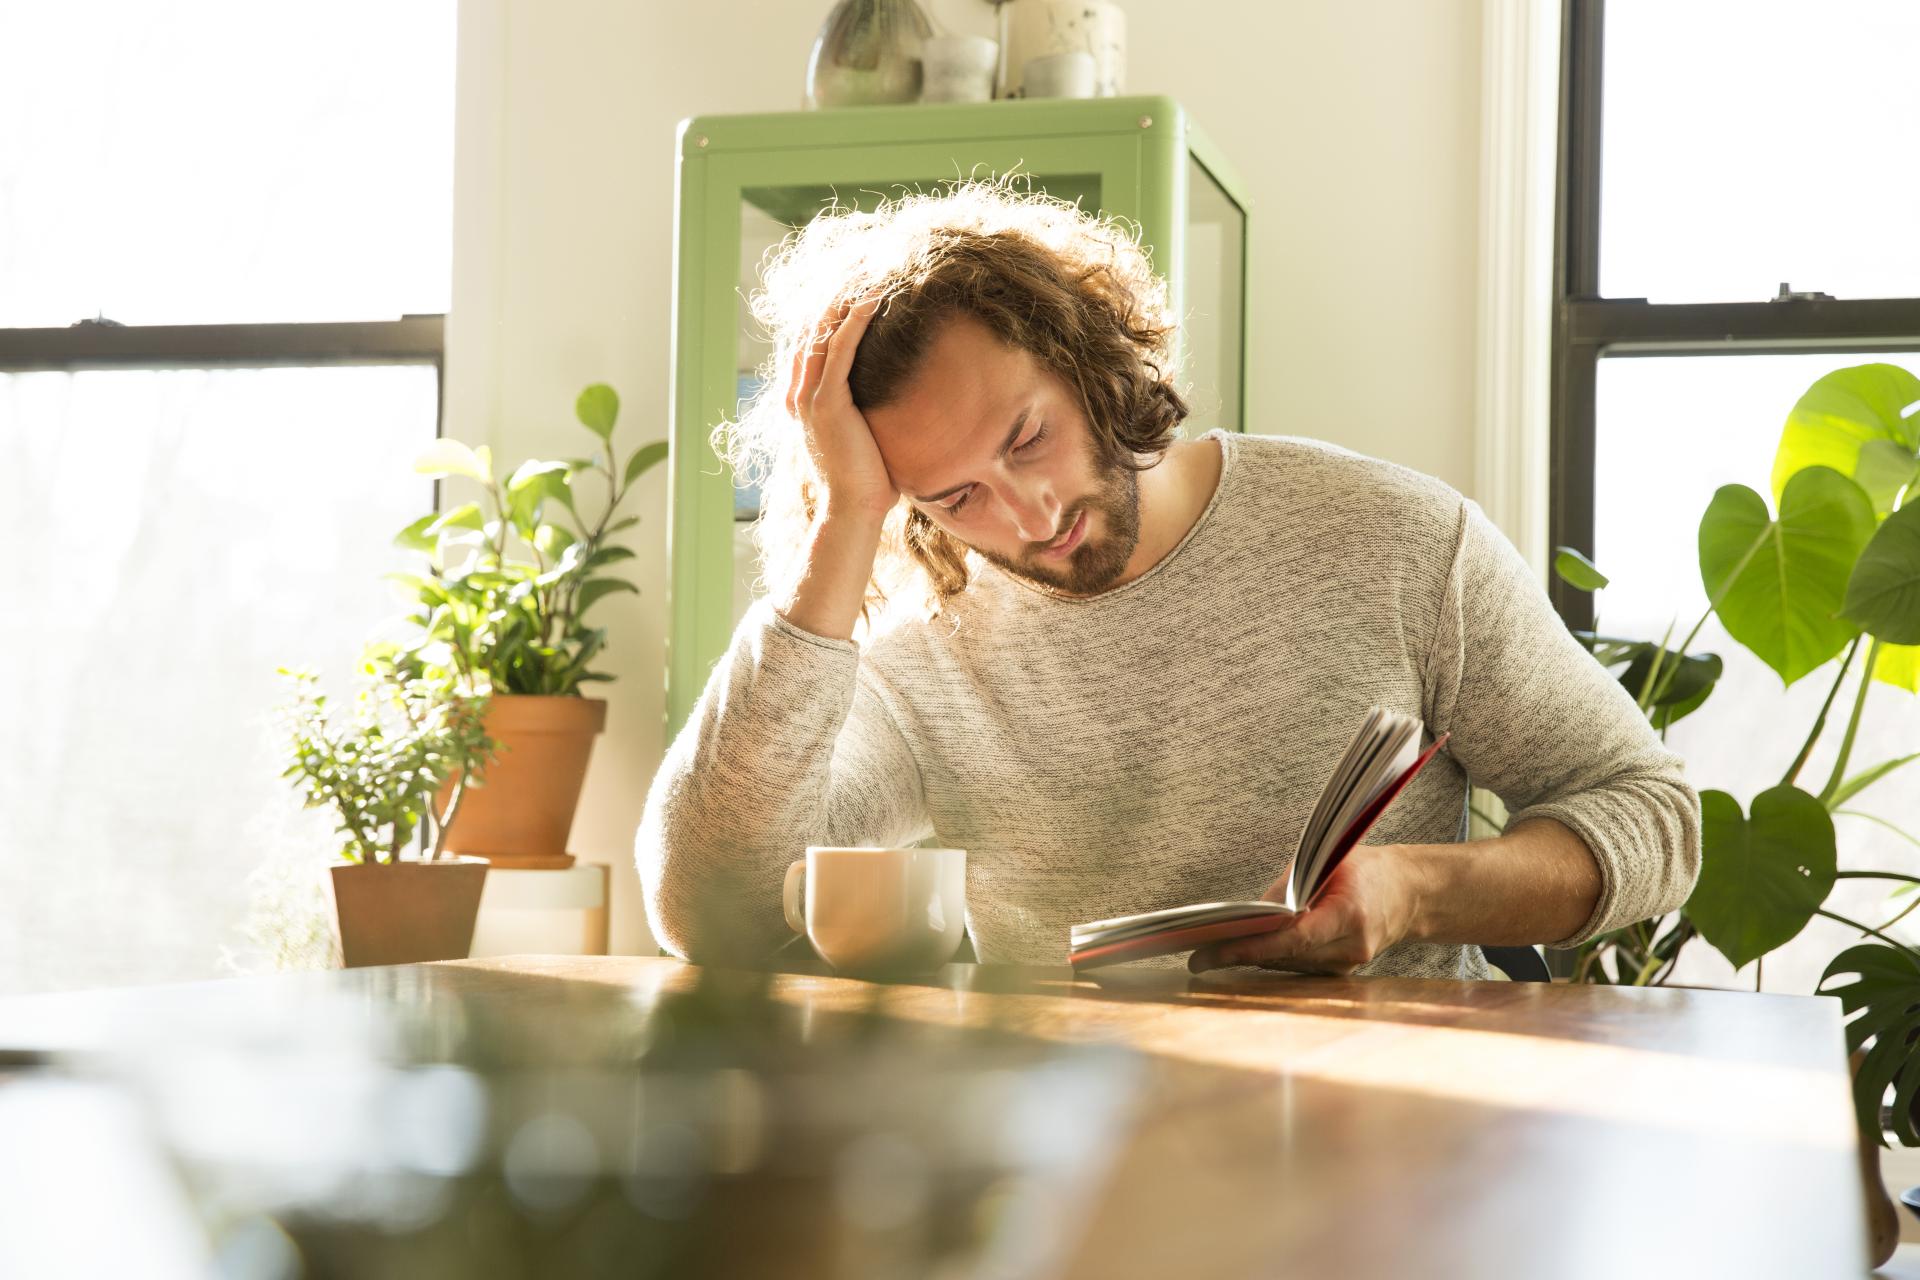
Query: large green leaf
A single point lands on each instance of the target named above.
(1683, 678)
(597, 408)
(1683, 682)
(1694, 677)
(608, 555)
(451, 458)
(1761, 878)
(1576, 570)
(1843, 412)
(1882, 1007)
(598, 589)
(531, 485)
(465, 516)
(414, 536)
(1885, 470)
(1883, 595)
(1899, 665)
(535, 474)
(552, 541)
(644, 459)
(1779, 583)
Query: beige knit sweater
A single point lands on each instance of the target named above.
(1163, 743)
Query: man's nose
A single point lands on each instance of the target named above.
(1036, 512)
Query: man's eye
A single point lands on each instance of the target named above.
(958, 502)
(1036, 438)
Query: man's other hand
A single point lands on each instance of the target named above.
(1367, 905)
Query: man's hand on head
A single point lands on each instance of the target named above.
(1368, 904)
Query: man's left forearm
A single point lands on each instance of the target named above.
(1538, 883)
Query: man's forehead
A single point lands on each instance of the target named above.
(954, 413)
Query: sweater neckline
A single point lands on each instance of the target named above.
(1228, 446)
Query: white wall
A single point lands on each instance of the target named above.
(1355, 123)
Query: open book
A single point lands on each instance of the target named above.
(1382, 758)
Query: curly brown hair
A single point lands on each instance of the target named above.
(1074, 290)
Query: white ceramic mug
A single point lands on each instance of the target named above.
(879, 910)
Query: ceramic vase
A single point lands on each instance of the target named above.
(868, 52)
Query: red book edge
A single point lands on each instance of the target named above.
(1370, 815)
(1160, 944)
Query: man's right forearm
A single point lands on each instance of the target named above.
(832, 588)
(748, 783)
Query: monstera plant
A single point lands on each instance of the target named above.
(1830, 569)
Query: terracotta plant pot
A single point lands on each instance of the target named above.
(404, 912)
(522, 816)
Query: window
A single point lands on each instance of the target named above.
(1700, 173)
(225, 252)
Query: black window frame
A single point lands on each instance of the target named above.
(1588, 327)
(412, 339)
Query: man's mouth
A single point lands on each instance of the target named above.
(1066, 542)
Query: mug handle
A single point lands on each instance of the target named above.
(790, 899)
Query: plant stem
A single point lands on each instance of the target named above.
(1652, 682)
(1740, 566)
(1875, 875)
(1863, 928)
(446, 823)
(1713, 602)
(1820, 721)
(499, 497)
(1711, 606)
(1853, 723)
(1902, 915)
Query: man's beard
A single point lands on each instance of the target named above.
(1096, 562)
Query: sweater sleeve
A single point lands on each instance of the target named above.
(787, 747)
(1542, 725)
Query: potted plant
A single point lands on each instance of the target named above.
(1834, 574)
(1831, 571)
(378, 768)
(504, 587)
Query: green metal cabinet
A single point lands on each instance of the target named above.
(744, 181)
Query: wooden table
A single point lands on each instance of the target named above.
(1303, 1126)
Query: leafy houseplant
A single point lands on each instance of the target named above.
(503, 592)
(1833, 572)
(378, 768)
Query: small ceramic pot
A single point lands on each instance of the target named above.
(407, 912)
(522, 812)
(1059, 75)
(959, 69)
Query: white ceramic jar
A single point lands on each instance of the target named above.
(1038, 28)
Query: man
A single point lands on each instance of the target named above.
(1136, 658)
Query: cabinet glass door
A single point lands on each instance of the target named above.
(1215, 305)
